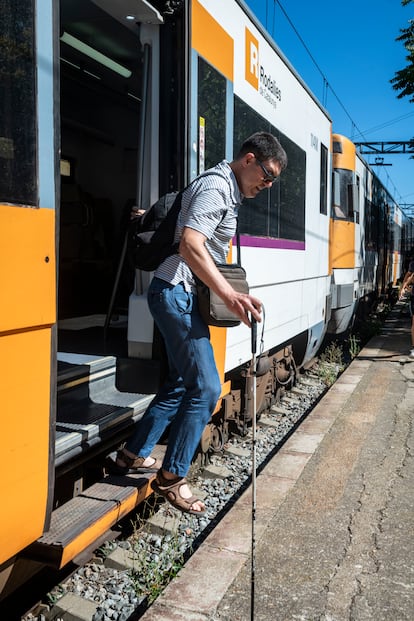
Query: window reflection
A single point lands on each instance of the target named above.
(17, 103)
(278, 212)
(212, 108)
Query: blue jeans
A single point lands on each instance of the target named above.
(189, 395)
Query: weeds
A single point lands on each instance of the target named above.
(330, 363)
(156, 558)
(354, 345)
(332, 354)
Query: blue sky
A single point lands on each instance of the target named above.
(353, 47)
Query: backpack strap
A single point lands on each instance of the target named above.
(212, 172)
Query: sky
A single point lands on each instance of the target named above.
(352, 46)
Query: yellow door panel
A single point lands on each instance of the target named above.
(342, 244)
(27, 267)
(24, 457)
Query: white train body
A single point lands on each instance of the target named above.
(289, 274)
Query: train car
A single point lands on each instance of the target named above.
(369, 235)
(109, 104)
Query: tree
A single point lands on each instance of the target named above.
(403, 81)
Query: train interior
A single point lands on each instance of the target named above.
(100, 95)
(99, 107)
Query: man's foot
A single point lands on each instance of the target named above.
(175, 489)
(411, 354)
(128, 463)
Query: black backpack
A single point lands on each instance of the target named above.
(151, 236)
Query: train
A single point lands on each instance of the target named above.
(108, 104)
(370, 237)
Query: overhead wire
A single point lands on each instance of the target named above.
(388, 123)
(327, 85)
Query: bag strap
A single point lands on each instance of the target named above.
(238, 243)
(212, 172)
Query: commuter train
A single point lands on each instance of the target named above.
(108, 104)
(369, 237)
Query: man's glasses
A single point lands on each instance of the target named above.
(268, 177)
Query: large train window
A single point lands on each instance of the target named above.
(344, 199)
(280, 211)
(212, 115)
(17, 103)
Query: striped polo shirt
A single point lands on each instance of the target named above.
(209, 205)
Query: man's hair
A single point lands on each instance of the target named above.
(265, 147)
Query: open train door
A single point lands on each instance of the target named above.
(28, 201)
(109, 147)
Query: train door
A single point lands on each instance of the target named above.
(28, 138)
(109, 154)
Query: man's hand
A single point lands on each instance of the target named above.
(136, 212)
(195, 254)
(243, 304)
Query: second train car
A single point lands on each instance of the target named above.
(370, 236)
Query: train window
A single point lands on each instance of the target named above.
(254, 220)
(212, 108)
(292, 193)
(323, 201)
(343, 197)
(357, 187)
(370, 227)
(280, 211)
(17, 103)
(353, 201)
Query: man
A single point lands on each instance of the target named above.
(206, 224)
(407, 288)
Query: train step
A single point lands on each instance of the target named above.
(83, 522)
(93, 401)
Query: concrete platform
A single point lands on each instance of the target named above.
(335, 511)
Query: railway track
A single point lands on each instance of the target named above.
(139, 557)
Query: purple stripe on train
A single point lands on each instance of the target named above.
(269, 242)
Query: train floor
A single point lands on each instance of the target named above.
(334, 521)
(101, 392)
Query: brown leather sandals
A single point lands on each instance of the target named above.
(133, 466)
(170, 490)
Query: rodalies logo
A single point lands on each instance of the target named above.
(256, 74)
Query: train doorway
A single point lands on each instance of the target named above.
(100, 97)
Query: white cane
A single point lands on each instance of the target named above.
(253, 402)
